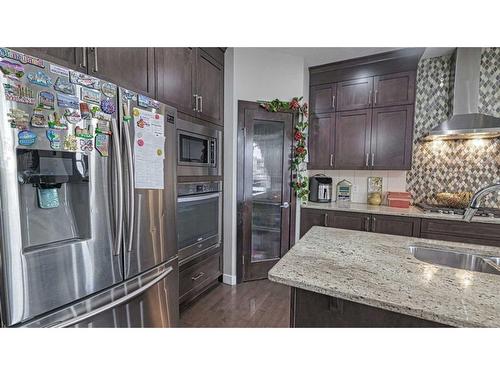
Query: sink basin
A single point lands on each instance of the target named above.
(454, 258)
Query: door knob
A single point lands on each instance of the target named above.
(285, 205)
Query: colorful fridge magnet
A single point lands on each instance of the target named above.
(59, 70)
(109, 89)
(18, 119)
(86, 145)
(85, 111)
(129, 95)
(26, 138)
(126, 112)
(146, 102)
(11, 69)
(46, 100)
(21, 57)
(103, 127)
(101, 115)
(85, 131)
(48, 198)
(90, 96)
(38, 120)
(19, 93)
(108, 106)
(102, 144)
(73, 116)
(56, 123)
(67, 101)
(84, 80)
(64, 85)
(39, 78)
(54, 138)
(70, 143)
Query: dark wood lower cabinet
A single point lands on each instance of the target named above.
(348, 220)
(315, 310)
(397, 225)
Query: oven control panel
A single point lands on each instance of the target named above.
(191, 188)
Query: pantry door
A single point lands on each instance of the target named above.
(266, 204)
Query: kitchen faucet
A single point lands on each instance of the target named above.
(474, 202)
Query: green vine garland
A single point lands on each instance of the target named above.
(300, 182)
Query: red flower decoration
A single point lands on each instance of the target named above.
(294, 104)
(298, 136)
(299, 150)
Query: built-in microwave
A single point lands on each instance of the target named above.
(198, 149)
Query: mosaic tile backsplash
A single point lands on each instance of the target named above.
(461, 165)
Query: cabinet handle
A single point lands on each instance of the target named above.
(375, 97)
(370, 97)
(367, 223)
(201, 274)
(333, 102)
(373, 158)
(195, 103)
(201, 103)
(326, 220)
(84, 58)
(331, 160)
(367, 157)
(373, 223)
(96, 66)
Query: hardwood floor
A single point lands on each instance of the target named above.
(259, 303)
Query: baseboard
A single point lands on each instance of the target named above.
(229, 279)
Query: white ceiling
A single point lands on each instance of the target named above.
(323, 55)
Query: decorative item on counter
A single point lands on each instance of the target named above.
(67, 101)
(102, 144)
(86, 145)
(26, 138)
(18, 119)
(64, 85)
(46, 100)
(85, 111)
(11, 69)
(108, 106)
(21, 57)
(55, 122)
(344, 191)
(398, 199)
(374, 191)
(19, 93)
(84, 80)
(54, 138)
(85, 131)
(70, 143)
(73, 116)
(90, 96)
(454, 200)
(38, 119)
(39, 78)
(109, 89)
(300, 181)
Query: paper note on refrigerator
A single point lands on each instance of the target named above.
(149, 149)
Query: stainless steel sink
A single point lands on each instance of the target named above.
(453, 257)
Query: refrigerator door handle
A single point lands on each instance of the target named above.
(131, 184)
(119, 301)
(117, 158)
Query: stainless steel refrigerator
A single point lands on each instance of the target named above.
(87, 201)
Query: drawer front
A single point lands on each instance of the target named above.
(199, 275)
(399, 226)
(462, 229)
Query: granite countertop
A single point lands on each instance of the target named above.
(378, 270)
(386, 210)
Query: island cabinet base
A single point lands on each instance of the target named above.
(315, 310)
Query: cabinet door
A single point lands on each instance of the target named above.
(392, 136)
(131, 68)
(310, 217)
(397, 225)
(210, 83)
(176, 77)
(394, 89)
(321, 137)
(349, 220)
(355, 94)
(323, 98)
(71, 57)
(352, 139)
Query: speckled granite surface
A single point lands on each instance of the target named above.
(378, 270)
(386, 210)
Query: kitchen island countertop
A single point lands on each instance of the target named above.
(378, 270)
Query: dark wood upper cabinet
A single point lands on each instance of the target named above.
(352, 139)
(392, 135)
(210, 83)
(176, 77)
(397, 225)
(132, 68)
(321, 141)
(323, 98)
(355, 94)
(394, 89)
(71, 57)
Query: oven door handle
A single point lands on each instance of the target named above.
(197, 198)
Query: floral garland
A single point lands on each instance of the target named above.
(300, 182)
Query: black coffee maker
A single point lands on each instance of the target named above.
(320, 188)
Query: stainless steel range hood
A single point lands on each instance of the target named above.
(467, 122)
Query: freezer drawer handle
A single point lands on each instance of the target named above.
(119, 301)
(196, 277)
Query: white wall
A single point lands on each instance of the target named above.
(251, 74)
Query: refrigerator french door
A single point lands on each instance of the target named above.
(64, 202)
